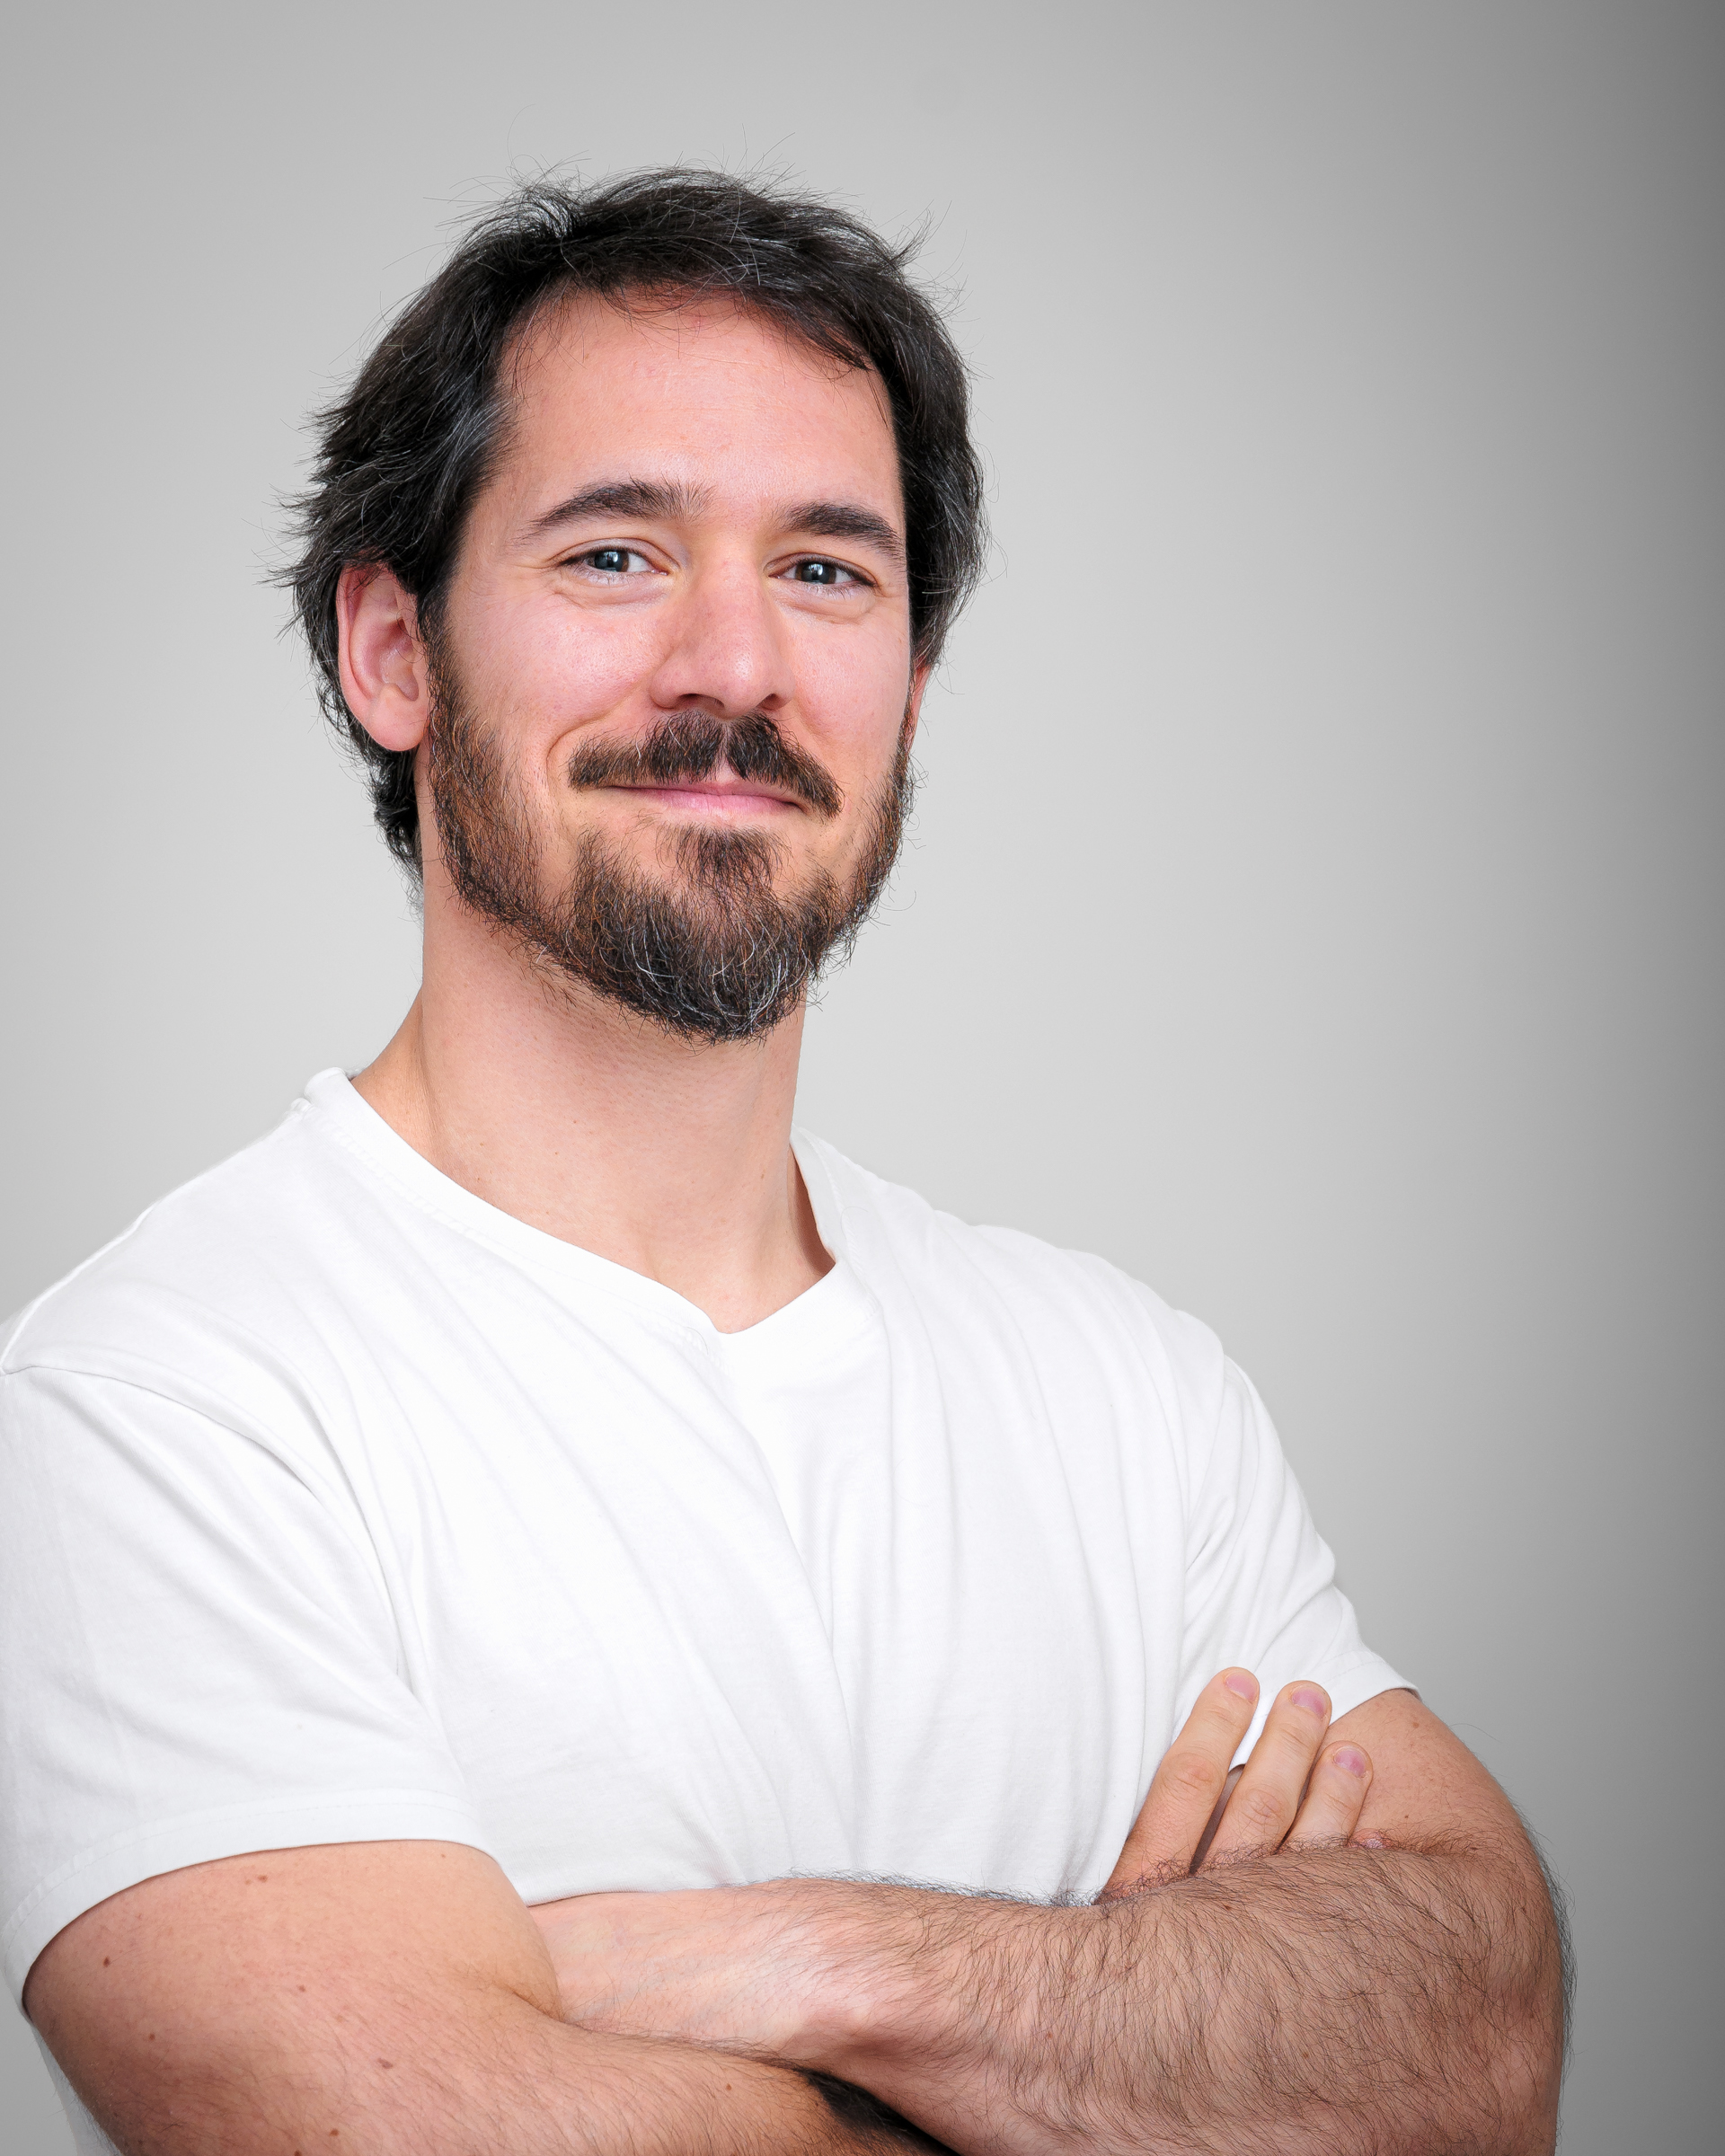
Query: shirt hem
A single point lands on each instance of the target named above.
(204, 1837)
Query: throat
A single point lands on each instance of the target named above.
(670, 1158)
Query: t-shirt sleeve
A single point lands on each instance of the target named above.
(1260, 1580)
(198, 1657)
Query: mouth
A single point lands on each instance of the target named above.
(716, 770)
(725, 798)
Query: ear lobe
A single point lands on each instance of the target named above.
(386, 678)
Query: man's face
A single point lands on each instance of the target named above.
(674, 681)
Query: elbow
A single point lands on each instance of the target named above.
(1530, 2078)
(1535, 1993)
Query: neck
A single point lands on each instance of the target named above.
(670, 1157)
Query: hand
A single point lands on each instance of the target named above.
(1289, 1791)
(747, 1968)
(727, 1965)
(738, 1969)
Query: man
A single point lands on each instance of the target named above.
(514, 1583)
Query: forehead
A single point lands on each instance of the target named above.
(703, 393)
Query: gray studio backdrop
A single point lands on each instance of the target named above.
(1313, 904)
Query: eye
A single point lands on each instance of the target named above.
(611, 562)
(815, 569)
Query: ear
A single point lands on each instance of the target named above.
(914, 704)
(385, 675)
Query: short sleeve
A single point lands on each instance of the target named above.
(1260, 1580)
(198, 1657)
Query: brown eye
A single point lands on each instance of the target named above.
(823, 572)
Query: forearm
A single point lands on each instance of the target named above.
(1370, 1987)
(601, 2095)
(390, 1998)
(1339, 2000)
(505, 2077)
(552, 2091)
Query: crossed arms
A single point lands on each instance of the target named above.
(1364, 1959)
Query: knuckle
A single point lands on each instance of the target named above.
(1258, 1813)
(1188, 1773)
(1291, 1751)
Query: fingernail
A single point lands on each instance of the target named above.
(1242, 1684)
(1348, 1759)
(1310, 1699)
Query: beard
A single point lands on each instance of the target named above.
(709, 948)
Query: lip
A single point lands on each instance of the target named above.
(706, 797)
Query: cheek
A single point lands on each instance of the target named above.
(853, 688)
(555, 671)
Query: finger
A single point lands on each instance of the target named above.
(1208, 1836)
(1263, 1808)
(1188, 1783)
(1334, 1797)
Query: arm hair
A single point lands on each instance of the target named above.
(1396, 2000)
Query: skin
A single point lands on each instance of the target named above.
(750, 1966)
(878, 1984)
(669, 1157)
(398, 1997)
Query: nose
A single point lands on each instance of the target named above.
(726, 651)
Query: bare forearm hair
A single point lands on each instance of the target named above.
(1361, 2002)
(1353, 1998)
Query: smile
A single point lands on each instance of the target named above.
(711, 797)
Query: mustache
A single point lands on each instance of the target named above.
(693, 745)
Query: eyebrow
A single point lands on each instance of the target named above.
(651, 498)
(847, 520)
(677, 503)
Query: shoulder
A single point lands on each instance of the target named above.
(204, 1284)
(1066, 1300)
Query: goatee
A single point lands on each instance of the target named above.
(708, 947)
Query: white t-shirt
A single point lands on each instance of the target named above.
(339, 1505)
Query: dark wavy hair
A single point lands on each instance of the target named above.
(402, 454)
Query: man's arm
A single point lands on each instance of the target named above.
(1403, 1997)
(392, 1997)
(1397, 1991)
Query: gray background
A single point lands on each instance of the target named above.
(1315, 901)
